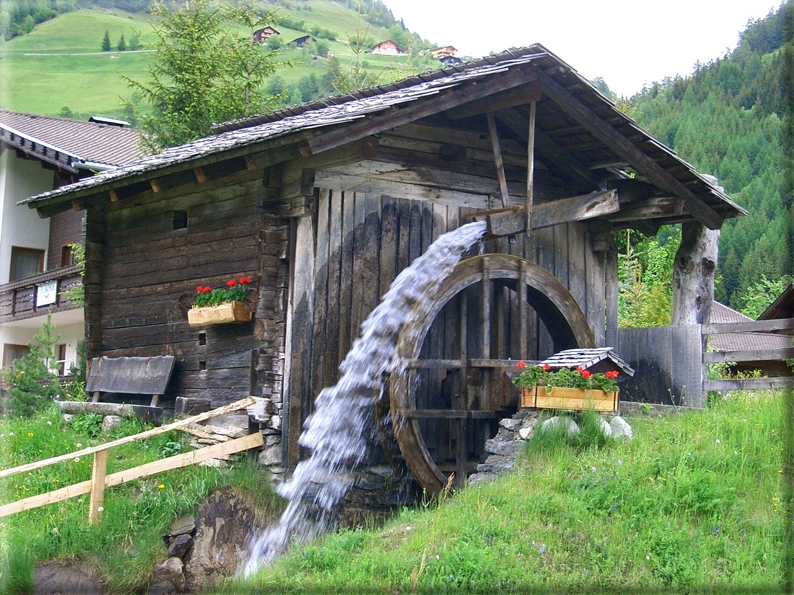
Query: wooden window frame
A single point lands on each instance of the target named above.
(18, 250)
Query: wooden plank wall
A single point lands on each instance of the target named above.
(666, 362)
(65, 228)
(148, 277)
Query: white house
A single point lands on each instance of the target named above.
(37, 154)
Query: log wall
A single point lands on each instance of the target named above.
(146, 266)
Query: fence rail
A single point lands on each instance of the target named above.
(100, 480)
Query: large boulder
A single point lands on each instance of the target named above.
(224, 524)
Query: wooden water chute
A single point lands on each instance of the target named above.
(448, 388)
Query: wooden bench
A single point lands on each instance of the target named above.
(129, 376)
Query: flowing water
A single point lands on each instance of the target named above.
(338, 430)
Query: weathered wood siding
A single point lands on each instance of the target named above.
(65, 228)
(145, 270)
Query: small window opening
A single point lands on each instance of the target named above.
(202, 365)
(202, 338)
(180, 219)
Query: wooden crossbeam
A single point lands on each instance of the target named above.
(628, 150)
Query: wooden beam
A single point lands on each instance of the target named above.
(750, 384)
(511, 221)
(250, 163)
(75, 206)
(442, 101)
(652, 208)
(628, 150)
(201, 178)
(155, 185)
(497, 158)
(501, 101)
(530, 164)
(748, 326)
(751, 355)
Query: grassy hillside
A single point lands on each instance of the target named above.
(75, 73)
(694, 504)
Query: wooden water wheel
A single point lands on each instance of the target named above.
(449, 386)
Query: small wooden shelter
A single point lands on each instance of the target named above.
(388, 48)
(325, 203)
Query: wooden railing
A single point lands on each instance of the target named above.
(745, 356)
(100, 480)
(36, 295)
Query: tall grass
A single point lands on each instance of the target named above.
(694, 504)
(128, 542)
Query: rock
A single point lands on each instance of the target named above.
(270, 456)
(111, 422)
(54, 579)
(526, 433)
(510, 424)
(168, 577)
(510, 448)
(605, 427)
(566, 423)
(180, 545)
(478, 478)
(621, 428)
(489, 467)
(67, 418)
(272, 439)
(215, 463)
(275, 422)
(224, 524)
(184, 524)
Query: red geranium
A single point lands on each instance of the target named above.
(585, 373)
(521, 365)
(612, 374)
(231, 283)
(234, 291)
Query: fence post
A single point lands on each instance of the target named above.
(97, 486)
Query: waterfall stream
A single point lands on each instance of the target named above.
(336, 432)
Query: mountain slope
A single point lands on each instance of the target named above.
(727, 119)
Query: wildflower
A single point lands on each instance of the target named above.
(11, 433)
(718, 440)
(620, 462)
(77, 459)
(55, 530)
(542, 548)
(593, 469)
(735, 453)
(78, 445)
(648, 558)
(30, 434)
(522, 365)
(49, 423)
(408, 528)
(161, 486)
(689, 454)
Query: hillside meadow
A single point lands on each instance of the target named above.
(60, 64)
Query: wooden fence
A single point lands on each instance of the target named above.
(100, 480)
(671, 366)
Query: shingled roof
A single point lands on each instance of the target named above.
(64, 142)
(720, 313)
(577, 118)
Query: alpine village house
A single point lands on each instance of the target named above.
(323, 204)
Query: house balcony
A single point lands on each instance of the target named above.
(38, 295)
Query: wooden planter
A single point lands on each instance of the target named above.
(228, 313)
(575, 399)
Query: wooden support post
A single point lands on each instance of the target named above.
(155, 185)
(97, 486)
(523, 313)
(497, 159)
(485, 396)
(201, 177)
(530, 164)
(113, 196)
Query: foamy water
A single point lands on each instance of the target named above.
(337, 432)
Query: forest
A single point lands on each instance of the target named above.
(727, 119)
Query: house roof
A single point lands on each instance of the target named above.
(572, 117)
(782, 307)
(720, 313)
(66, 143)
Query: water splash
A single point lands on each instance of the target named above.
(336, 433)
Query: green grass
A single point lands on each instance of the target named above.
(128, 541)
(693, 504)
(78, 75)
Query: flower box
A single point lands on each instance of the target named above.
(226, 313)
(576, 399)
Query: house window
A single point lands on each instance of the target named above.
(67, 257)
(11, 353)
(180, 220)
(26, 262)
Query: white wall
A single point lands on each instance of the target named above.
(70, 331)
(21, 226)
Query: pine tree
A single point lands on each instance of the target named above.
(122, 45)
(106, 41)
(29, 381)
